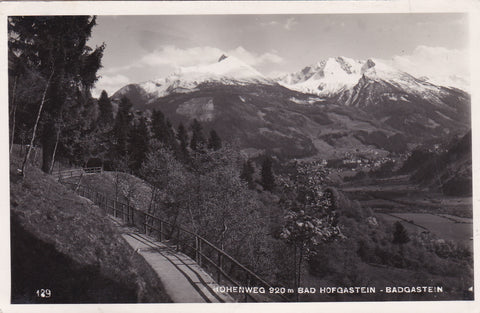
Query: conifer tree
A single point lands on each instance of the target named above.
(197, 135)
(182, 136)
(171, 142)
(105, 110)
(214, 141)
(159, 127)
(400, 235)
(247, 173)
(138, 144)
(122, 127)
(268, 180)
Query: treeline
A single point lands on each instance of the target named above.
(123, 140)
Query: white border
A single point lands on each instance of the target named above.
(238, 7)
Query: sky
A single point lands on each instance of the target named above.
(141, 48)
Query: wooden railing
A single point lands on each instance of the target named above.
(76, 172)
(213, 259)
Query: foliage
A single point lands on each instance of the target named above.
(400, 235)
(162, 130)
(198, 138)
(247, 173)
(138, 144)
(214, 141)
(307, 231)
(182, 136)
(105, 114)
(122, 127)
(54, 48)
(311, 217)
(267, 178)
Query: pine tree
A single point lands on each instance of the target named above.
(138, 144)
(197, 135)
(247, 173)
(171, 142)
(400, 235)
(159, 127)
(122, 127)
(214, 141)
(268, 180)
(105, 110)
(182, 137)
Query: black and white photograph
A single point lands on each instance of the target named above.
(239, 158)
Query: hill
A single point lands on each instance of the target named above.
(63, 242)
(450, 171)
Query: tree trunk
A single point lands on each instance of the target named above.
(54, 151)
(152, 197)
(48, 145)
(300, 259)
(14, 112)
(40, 109)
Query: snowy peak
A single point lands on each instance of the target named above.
(380, 72)
(227, 70)
(223, 57)
(368, 65)
(335, 75)
(376, 69)
(326, 77)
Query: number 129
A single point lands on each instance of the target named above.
(44, 293)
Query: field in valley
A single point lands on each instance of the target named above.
(420, 210)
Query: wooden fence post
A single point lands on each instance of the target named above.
(178, 239)
(196, 248)
(200, 252)
(132, 212)
(145, 223)
(219, 273)
(106, 202)
(161, 231)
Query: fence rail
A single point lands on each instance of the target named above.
(207, 255)
(59, 175)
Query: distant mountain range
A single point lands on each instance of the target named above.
(334, 107)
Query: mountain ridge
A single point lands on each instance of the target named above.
(386, 111)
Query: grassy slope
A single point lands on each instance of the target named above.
(62, 242)
(138, 191)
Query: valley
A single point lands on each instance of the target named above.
(419, 209)
(396, 148)
(345, 172)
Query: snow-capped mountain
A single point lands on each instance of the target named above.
(333, 107)
(336, 75)
(411, 105)
(390, 83)
(227, 70)
(325, 78)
